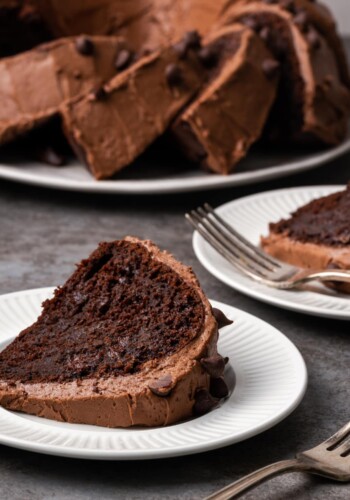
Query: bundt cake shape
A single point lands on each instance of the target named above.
(34, 84)
(314, 95)
(229, 114)
(111, 130)
(316, 236)
(130, 339)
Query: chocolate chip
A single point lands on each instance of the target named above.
(226, 359)
(333, 266)
(204, 402)
(270, 67)
(208, 56)
(162, 386)
(214, 365)
(123, 59)
(51, 156)
(313, 39)
(288, 5)
(98, 94)
(192, 40)
(218, 387)
(265, 33)
(221, 319)
(270, 1)
(301, 20)
(84, 46)
(251, 23)
(173, 75)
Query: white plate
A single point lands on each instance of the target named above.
(170, 177)
(251, 216)
(271, 381)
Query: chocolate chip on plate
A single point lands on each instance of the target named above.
(218, 387)
(221, 319)
(162, 386)
(204, 402)
(214, 365)
(123, 59)
(270, 67)
(84, 46)
(173, 75)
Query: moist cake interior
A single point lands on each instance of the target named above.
(119, 310)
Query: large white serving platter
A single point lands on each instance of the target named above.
(271, 381)
(251, 216)
(166, 175)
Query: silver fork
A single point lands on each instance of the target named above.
(330, 459)
(250, 259)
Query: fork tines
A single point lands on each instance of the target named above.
(230, 244)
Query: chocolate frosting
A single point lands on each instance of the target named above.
(146, 24)
(228, 116)
(138, 106)
(130, 399)
(314, 70)
(34, 84)
(324, 221)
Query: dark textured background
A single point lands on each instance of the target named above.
(43, 233)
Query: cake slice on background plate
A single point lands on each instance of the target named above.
(219, 126)
(313, 102)
(129, 339)
(34, 84)
(316, 236)
(146, 24)
(110, 128)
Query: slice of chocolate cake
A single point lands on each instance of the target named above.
(316, 236)
(146, 24)
(129, 339)
(110, 128)
(314, 95)
(228, 116)
(34, 84)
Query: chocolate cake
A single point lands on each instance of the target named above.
(21, 27)
(314, 95)
(110, 128)
(316, 236)
(129, 339)
(228, 116)
(34, 84)
(146, 24)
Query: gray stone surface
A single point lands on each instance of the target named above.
(43, 233)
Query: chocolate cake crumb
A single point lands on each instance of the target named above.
(148, 312)
(322, 221)
(173, 75)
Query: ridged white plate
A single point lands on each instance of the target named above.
(271, 381)
(167, 177)
(251, 216)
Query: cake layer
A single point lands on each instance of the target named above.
(316, 236)
(112, 127)
(323, 221)
(146, 24)
(228, 116)
(34, 84)
(314, 96)
(130, 339)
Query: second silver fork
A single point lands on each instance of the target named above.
(251, 260)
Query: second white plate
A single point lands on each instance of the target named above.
(271, 381)
(251, 216)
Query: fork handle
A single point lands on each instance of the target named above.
(253, 479)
